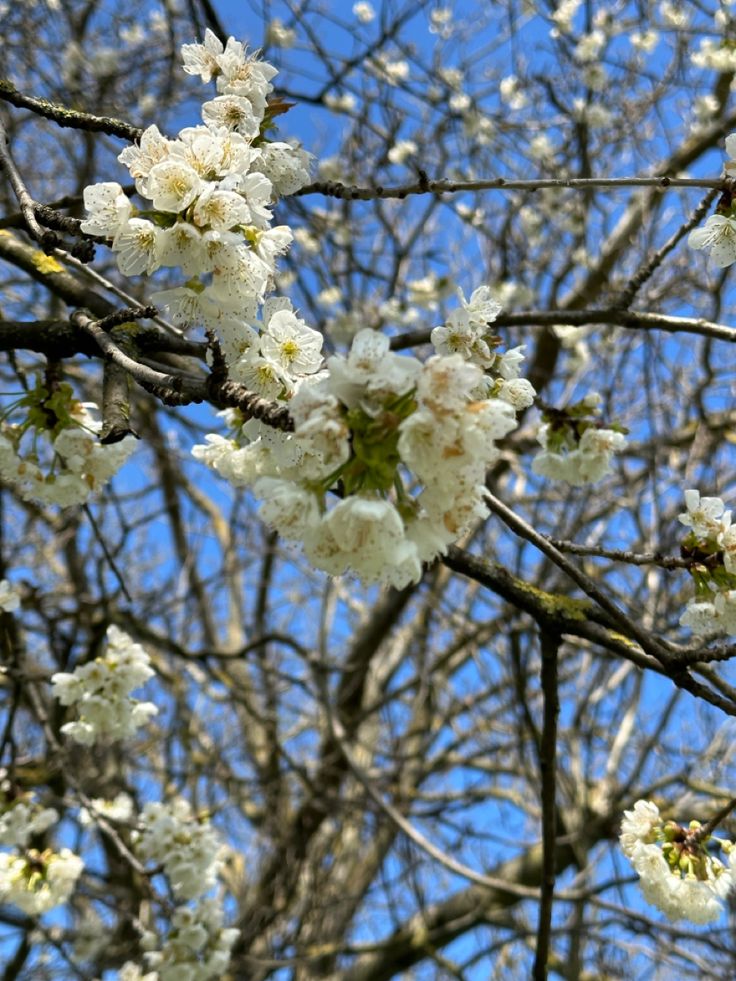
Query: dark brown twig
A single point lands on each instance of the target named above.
(69, 117)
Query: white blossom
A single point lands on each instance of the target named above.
(173, 185)
(677, 873)
(719, 236)
(202, 59)
(100, 691)
(138, 244)
(287, 341)
(108, 207)
(364, 12)
(707, 517)
(232, 112)
(186, 845)
(197, 947)
(9, 596)
(35, 881)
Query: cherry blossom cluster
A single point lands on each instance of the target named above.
(677, 873)
(576, 447)
(54, 455)
(711, 546)
(718, 235)
(36, 881)
(197, 947)
(186, 845)
(31, 880)
(387, 461)
(208, 195)
(21, 817)
(101, 691)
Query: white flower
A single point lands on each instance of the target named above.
(701, 617)
(187, 846)
(189, 307)
(725, 604)
(220, 209)
(401, 151)
(287, 167)
(638, 824)
(364, 12)
(153, 148)
(108, 207)
(518, 392)
(21, 818)
(291, 344)
(101, 691)
(706, 516)
(173, 185)
(181, 245)
(9, 596)
(241, 466)
(118, 809)
(202, 59)
(246, 76)
(279, 35)
(234, 112)
(321, 430)
(196, 949)
(512, 92)
(257, 190)
(371, 369)
(131, 972)
(137, 244)
(719, 235)
(38, 881)
(263, 376)
(292, 510)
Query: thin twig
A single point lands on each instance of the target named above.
(647, 270)
(106, 551)
(351, 192)
(614, 316)
(47, 239)
(698, 834)
(621, 554)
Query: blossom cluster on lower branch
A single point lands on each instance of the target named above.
(197, 945)
(34, 881)
(710, 547)
(576, 447)
(100, 690)
(677, 872)
(54, 455)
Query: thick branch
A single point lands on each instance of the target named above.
(69, 117)
(550, 644)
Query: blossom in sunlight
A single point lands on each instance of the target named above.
(35, 881)
(364, 12)
(677, 872)
(197, 948)
(407, 443)
(100, 691)
(186, 845)
(706, 516)
(58, 459)
(711, 547)
(718, 235)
